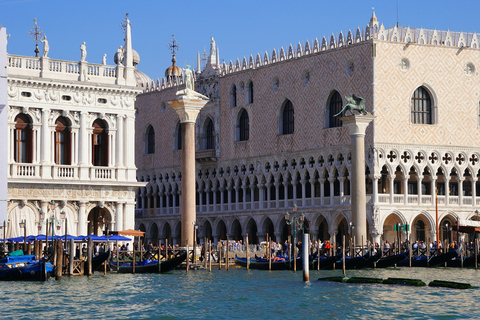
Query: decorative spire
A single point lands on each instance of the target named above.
(36, 34)
(173, 72)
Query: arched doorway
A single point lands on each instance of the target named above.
(207, 227)
(252, 232)
(154, 234)
(97, 219)
(342, 230)
(389, 231)
(167, 232)
(222, 230)
(420, 229)
(322, 232)
(237, 231)
(447, 233)
(269, 228)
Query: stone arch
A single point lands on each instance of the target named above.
(251, 229)
(97, 218)
(153, 234)
(221, 229)
(422, 231)
(236, 230)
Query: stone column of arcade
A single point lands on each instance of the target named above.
(357, 124)
(188, 104)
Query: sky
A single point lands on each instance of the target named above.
(240, 28)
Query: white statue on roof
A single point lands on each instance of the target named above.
(189, 91)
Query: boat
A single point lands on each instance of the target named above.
(150, 266)
(359, 262)
(25, 268)
(264, 264)
(432, 261)
(97, 261)
(326, 263)
(468, 262)
(388, 261)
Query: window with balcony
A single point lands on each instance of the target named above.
(23, 139)
(63, 141)
(209, 137)
(100, 143)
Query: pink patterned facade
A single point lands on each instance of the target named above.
(422, 86)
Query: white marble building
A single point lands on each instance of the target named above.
(71, 127)
(3, 128)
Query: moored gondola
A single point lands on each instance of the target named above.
(150, 266)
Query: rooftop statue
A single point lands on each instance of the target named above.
(355, 103)
(83, 50)
(46, 47)
(189, 90)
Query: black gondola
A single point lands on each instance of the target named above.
(433, 261)
(150, 266)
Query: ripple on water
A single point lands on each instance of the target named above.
(238, 294)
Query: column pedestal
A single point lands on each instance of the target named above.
(357, 124)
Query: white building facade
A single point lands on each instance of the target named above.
(71, 128)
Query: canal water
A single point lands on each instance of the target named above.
(238, 294)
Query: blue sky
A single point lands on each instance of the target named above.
(240, 28)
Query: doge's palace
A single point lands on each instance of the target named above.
(269, 138)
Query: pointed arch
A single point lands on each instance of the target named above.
(287, 118)
(243, 126)
(422, 106)
(334, 106)
(149, 140)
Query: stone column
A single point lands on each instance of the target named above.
(44, 208)
(119, 217)
(405, 188)
(83, 145)
(188, 105)
(129, 216)
(45, 150)
(82, 219)
(357, 124)
(474, 191)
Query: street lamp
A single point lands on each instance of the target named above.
(296, 220)
(195, 230)
(24, 227)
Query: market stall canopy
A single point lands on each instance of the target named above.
(129, 232)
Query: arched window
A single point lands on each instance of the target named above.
(243, 126)
(178, 137)
(420, 230)
(250, 92)
(233, 96)
(150, 140)
(63, 145)
(288, 119)
(23, 139)
(209, 138)
(100, 143)
(334, 107)
(422, 112)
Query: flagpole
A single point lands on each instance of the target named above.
(436, 215)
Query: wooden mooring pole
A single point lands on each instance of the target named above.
(59, 262)
(72, 257)
(246, 251)
(343, 256)
(210, 255)
(227, 267)
(90, 256)
(188, 258)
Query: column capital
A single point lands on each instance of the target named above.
(187, 107)
(357, 124)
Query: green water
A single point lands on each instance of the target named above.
(238, 294)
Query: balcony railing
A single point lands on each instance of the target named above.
(412, 200)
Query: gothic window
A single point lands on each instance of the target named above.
(334, 107)
(243, 126)
(209, 138)
(233, 96)
(63, 145)
(250, 92)
(421, 112)
(288, 119)
(23, 139)
(100, 143)
(150, 140)
(178, 137)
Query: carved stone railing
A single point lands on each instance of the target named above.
(24, 170)
(102, 173)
